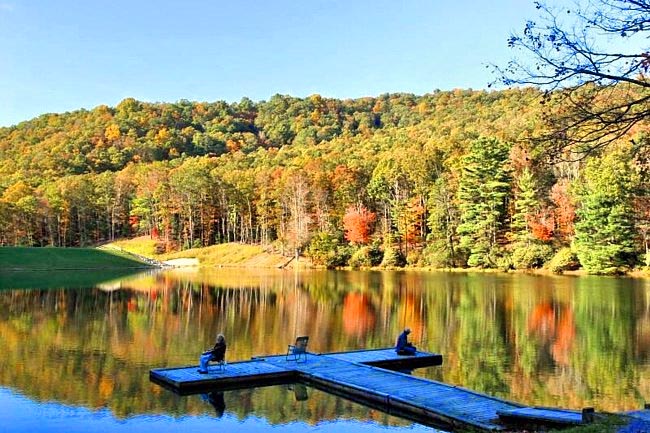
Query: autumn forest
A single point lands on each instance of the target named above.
(447, 179)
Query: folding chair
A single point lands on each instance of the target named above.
(221, 365)
(219, 358)
(298, 350)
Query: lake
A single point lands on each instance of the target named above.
(76, 356)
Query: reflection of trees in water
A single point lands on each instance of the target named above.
(554, 325)
(358, 314)
(574, 344)
(539, 340)
(480, 342)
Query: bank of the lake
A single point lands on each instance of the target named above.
(234, 254)
(50, 259)
(231, 254)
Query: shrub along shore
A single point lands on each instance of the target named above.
(255, 256)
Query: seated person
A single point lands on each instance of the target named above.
(403, 347)
(218, 353)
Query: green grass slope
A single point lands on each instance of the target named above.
(43, 259)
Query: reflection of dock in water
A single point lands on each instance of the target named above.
(369, 377)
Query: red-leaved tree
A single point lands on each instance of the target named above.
(565, 210)
(541, 225)
(357, 224)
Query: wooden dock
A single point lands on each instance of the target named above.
(637, 421)
(375, 378)
(365, 376)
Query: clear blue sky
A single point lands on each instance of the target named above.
(62, 55)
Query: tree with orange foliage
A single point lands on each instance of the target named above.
(409, 221)
(541, 225)
(565, 210)
(357, 224)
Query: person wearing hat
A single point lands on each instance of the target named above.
(403, 347)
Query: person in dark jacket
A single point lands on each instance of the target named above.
(217, 354)
(403, 347)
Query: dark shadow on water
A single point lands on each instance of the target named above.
(70, 279)
(215, 398)
(299, 391)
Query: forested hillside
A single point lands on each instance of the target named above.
(444, 179)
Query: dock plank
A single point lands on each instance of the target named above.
(643, 414)
(555, 416)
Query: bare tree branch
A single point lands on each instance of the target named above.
(591, 60)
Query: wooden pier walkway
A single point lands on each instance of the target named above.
(370, 377)
(426, 401)
(365, 376)
(638, 421)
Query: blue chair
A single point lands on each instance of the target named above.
(298, 350)
(219, 358)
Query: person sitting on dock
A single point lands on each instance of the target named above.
(403, 347)
(218, 354)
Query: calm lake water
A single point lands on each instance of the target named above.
(76, 356)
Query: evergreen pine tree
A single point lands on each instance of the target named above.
(441, 248)
(525, 204)
(604, 239)
(482, 193)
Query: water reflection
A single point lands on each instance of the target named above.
(20, 414)
(550, 341)
(62, 279)
(215, 398)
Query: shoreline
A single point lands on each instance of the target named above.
(235, 255)
(307, 266)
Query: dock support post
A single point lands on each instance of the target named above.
(588, 415)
